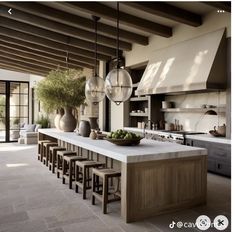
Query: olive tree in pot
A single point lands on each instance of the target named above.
(63, 89)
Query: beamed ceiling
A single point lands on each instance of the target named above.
(37, 36)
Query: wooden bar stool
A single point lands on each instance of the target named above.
(40, 148)
(68, 168)
(82, 174)
(103, 195)
(59, 160)
(46, 148)
(52, 157)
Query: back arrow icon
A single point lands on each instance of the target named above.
(9, 11)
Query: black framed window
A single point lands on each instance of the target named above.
(14, 111)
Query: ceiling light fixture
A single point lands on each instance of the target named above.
(118, 83)
(94, 88)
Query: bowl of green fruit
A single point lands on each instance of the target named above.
(123, 138)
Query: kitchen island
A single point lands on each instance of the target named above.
(156, 177)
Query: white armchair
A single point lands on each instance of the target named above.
(29, 133)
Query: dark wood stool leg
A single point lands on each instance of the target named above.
(105, 195)
(84, 184)
(53, 161)
(63, 170)
(76, 177)
(93, 189)
(70, 174)
(58, 165)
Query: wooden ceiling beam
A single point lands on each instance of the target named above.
(20, 69)
(107, 12)
(80, 22)
(26, 61)
(42, 33)
(167, 11)
(48, 10)
(79, 35)
(44, 60)
(13, 63)
(20, 36)
(40, 53)
(226, 6)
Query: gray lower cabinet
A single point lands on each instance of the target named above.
(219, 155)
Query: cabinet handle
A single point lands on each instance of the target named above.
(192, 143)
(219, 166)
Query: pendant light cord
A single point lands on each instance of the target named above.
(96, 19)
(117, 52)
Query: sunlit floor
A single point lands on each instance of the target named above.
(32, 199)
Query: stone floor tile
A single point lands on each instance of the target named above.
(14, 217)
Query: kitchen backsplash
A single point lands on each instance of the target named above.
(197, 121)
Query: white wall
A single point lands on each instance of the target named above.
(140, 54)
(197, 121)
(13, 76)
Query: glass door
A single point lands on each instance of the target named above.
(2, 111)
(14, 109)
(18, 108)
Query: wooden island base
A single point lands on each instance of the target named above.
(157, 187)
(155, 178)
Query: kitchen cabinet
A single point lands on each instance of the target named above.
(219, 155)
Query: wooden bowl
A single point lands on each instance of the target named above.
(125, 142)
(215, 133)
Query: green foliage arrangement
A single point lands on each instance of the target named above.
(44, 121)
(62, 88)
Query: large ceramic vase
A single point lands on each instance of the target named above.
(84, 128)
(93, 122)
(59, 115)
(68, 122)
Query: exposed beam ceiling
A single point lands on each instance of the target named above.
(76, 21)
(167, 11)
(46, 60)
(41, 53)
(82, 36)
(14, 63)
(125, 19)
(23, 70)
(226, 6)
(48, 43)
(27, 61)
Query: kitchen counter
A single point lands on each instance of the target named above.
(209, 138)
(156, 177)
(147, 150)
(204, 137)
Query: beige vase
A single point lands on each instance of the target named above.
(59, 115)
(68, 122)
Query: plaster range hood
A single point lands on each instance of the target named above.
(198, 64)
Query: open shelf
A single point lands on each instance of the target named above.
(139, 114)
(193, 110)
(139, 99)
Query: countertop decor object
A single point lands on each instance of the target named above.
(93, 134)
(215, 133)
(94, 88)
(118, 83)
(84, 128)
(124, 142)
(62, 89)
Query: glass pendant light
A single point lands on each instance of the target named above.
(118, 83)
(94, 88)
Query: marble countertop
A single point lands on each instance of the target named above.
(147, 150)
(203, 137)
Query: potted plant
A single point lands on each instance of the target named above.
(44, 121)
(63, 89)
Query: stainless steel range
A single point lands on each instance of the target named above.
(171, 136)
